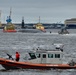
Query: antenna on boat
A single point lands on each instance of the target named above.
(0, 17)
(39, 19)
(10, 12)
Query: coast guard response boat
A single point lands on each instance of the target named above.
(39, 59)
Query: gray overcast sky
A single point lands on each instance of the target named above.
(50, 11)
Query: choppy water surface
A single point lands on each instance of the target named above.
(22, 42)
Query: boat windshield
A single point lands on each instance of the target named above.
(32, 55)
(38, 55)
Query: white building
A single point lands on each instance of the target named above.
(71, 21)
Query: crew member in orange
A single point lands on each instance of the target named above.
(17, 56)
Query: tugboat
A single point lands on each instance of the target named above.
(9, 26)
(39, 59)
(39, 26)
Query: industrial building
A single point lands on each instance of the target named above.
(70, 23)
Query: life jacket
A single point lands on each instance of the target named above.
(17, 55)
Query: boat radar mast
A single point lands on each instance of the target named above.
(39, 19)
(8, 20)
(10, 12)
(0, 15)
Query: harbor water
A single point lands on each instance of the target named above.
(23, 42)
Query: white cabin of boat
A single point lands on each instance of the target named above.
(46, 56)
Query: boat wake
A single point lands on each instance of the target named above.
(69, 34)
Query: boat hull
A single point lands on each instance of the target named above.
(11, 64)
(30, 31)
(9, 31)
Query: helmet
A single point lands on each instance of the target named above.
(16, 52)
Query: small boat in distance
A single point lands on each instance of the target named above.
(63, 31)
(39, 59)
